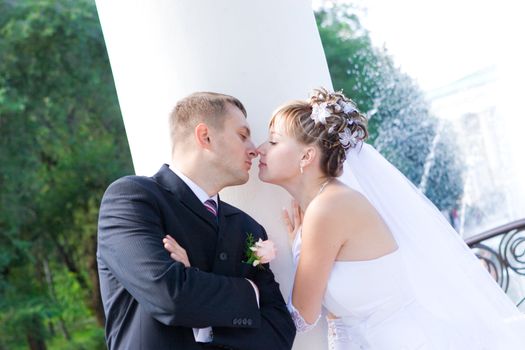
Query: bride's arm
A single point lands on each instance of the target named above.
(322, 238)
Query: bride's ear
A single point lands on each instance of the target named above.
(309, 155)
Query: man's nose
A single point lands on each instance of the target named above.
(252, 151)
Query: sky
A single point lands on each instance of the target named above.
(438, 42)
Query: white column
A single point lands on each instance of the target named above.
(263, 52)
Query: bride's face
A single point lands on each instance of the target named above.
(279, 156)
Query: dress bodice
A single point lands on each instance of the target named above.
(382, 279)
(375, 307)
(357, 289)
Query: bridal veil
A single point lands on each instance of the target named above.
(446, 276)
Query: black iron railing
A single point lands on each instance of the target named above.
(502, 251)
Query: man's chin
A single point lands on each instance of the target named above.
(240, 180)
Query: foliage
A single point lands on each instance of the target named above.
(400, 124)
(62, 142)
(61, 145)
(445, 174)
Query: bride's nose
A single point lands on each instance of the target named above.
(261, 148)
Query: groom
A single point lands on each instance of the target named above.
(153, 302)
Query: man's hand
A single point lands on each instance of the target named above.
(177, 253)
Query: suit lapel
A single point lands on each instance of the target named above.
(174, 184)
(225, 212)
(229, 246)
(230, 241)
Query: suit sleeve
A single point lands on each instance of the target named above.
(130, 245)
(276, 330)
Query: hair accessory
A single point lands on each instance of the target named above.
(348, 138)
(319, 113)
(347, 107)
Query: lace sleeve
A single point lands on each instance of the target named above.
(300, 323)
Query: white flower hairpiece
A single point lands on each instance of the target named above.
(320, 113)
(348, 138)
(347, 107)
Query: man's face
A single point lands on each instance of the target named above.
(234, 149)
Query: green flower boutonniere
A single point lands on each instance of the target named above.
(258, 252)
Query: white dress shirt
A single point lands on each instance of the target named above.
(196, 189)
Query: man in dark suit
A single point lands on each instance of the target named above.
(154, 302)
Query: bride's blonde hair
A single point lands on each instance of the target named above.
(328, 119)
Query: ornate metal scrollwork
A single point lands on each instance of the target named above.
(512, 247)
(502, 252)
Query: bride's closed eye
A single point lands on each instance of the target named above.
(273, 143)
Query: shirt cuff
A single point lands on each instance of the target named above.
(256, 290)
(203, 335)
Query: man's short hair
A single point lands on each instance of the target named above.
(200, 107)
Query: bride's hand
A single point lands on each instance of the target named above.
(293, 222)
(177, 253)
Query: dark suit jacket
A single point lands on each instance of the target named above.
(153, 302)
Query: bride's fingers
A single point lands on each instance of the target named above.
(297, 213)
(287, 221)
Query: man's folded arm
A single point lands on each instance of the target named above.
(130, 245)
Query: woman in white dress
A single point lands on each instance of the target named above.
(390, 271)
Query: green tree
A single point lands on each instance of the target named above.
(400, 124)
(62, 142)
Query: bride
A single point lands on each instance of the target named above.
(370, 248)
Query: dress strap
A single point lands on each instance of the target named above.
(296, 247)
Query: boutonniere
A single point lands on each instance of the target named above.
(260, 252)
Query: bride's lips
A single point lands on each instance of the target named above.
(262, 164)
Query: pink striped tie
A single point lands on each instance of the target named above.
(211, 206)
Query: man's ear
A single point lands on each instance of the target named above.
(308, 157)
(202, 135)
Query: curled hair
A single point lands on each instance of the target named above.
(329, 120)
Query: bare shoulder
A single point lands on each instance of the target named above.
(337, 200)
(338, 209)
(343, 221)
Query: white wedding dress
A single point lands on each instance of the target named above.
(377, 310)
(432, 293)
